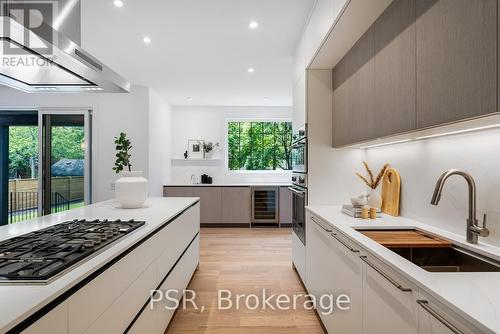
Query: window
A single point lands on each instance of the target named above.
(255, 146)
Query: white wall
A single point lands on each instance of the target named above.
(112, 113)
(330, 172)
(421, 163)
(209, 124)
(160, 142)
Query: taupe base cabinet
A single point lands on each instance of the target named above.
(229, 206)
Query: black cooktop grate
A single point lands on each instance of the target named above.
(40, 255)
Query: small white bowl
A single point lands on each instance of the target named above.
(359, 201)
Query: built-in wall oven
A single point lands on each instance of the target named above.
(299, 202)
(299, 152)
(299, 183)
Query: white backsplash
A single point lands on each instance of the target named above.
(420, 164)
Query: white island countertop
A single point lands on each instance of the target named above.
(18, 302)
(474, 296)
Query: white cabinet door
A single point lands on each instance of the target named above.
(321, 21)
(434, 318)
(389, 301)
(348, 281)
(319, 267)
(334, 268)
(155, 318)
(299, 256)
(299, 102)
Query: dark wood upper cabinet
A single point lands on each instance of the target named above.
(423, 63)
(353, 93)
(456, 60)
(395, 84)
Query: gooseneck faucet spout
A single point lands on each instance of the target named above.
(473, 229)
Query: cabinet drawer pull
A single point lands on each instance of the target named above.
(320, 225)
(334, 235)
(449, 325)
(387, 277)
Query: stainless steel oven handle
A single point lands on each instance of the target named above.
(384, 275)
(334, 235)
(297, 192)
(439, 317)
(324, 228)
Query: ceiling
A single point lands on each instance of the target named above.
(200, 49)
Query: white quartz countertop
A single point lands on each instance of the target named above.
(271, 184)
(18, 302)
(474, 296)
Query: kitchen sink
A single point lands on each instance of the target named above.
(448, 259)
(440, 258)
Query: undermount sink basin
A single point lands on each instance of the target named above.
(438, 258)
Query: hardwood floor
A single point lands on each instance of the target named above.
(244, 261)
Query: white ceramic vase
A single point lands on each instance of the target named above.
(131, 190)
(374, 199)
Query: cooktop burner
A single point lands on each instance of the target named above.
(40, 255)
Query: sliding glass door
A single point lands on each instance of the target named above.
(19, 150)
(65, 156)
(44, 162)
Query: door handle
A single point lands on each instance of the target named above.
(317, 223)
(439, 317)
(384, 275)
(334, 235)
(297, 192)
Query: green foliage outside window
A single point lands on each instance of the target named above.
(23, 148)
(259, 145)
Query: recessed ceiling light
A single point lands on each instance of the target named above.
(251, 70)
(118, 3)
(147, 40)
(189, 98)
(253, 25)
(266, 98)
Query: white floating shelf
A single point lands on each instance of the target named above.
(196, 162)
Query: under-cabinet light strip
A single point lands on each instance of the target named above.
(492, 126)
(460, 131)
(384, 144)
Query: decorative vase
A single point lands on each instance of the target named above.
(131, 190)
(374, 199)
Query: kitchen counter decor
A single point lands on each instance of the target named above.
(131, 188)
(374, 198)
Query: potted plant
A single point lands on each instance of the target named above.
(131, 188)
(209, 147)
(374, 198)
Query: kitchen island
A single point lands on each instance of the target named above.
(109, 292)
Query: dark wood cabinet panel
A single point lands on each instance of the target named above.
(456, 60)
(353, 93)
(395, 83)
(236, 205)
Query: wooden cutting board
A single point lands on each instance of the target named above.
(405, 239)
(391, 192)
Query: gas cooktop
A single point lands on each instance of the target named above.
(39, 256)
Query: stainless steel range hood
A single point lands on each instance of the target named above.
(66, 68)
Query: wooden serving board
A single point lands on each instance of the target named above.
(391, 190)
(405, 239)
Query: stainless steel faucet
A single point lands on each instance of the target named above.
(473, 229)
